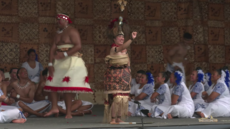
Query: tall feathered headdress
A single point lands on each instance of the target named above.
(117, 27)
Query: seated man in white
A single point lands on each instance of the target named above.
(79, 107)
(162, 96)
(137, 78)
(182, 105)
(142, 92)
(217, 98)
(197, 87)
(23, 92)
(9, 113)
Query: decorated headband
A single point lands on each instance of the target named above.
(227, 77)
(208, 78)
(65, 17)
(150, 78)
(200, 75)
(178, 76)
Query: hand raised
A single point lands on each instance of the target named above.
(134, 35)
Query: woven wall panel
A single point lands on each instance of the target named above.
(160, 24)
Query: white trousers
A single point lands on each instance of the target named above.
(9, 113)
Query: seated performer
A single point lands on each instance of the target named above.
(118, 74)
(182, 105)
(197, 87)
(217, 99)
(137, 78)
(23, 92)
(142, 92)
(162, 95)
(227, 77)
(68, 74)
(79, 107)
(207, 81)
(32, 66)
(178, 55)
(9, 113)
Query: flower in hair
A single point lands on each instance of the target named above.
(200, 75)
(150, 78)
(178, 76)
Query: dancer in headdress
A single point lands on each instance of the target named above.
(67, 71)
(118, 74)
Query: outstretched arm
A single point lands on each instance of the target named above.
(125, 45)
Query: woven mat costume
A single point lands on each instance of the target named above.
(70, 74)
(117, 80)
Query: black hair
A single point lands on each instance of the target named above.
(166, 75)
(11, 70)
(18, 72)
(187, 35)
(198, 68)
(219, 71)
(30, 51)
(225, 68)
(45, 72)
(2, 70)
(141, 71)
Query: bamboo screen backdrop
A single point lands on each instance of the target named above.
(26, 24)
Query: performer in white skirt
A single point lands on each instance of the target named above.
(68, 74)
(217, 99)
(182, 103)
(197, 88)
(162, 95)
(142, 92)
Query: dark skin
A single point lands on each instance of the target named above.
(143, 81)
(213, 95)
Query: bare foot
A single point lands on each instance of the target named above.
(68, 116)
(51, 112)
(78, 113)
(119, 120)
(149, 114)
(202, 115)
(129, 113)
(169, 116)
(20, 121)
(113, 121)
(88, 112)
(56, 115)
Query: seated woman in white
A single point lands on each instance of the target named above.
(207, 81)
(142, 92)
(9, 113)
(182, 105)
(217, 98)
(197, 87)
(32, 66)
(162, 95)
(227, 77)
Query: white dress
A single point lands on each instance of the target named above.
(198, 88)
(164, 101)
(33, 73)
(185, 106)
(9, 113)
(220, 106)
(145, 103)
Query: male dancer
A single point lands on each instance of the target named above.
(178, 55)
(68, 74)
